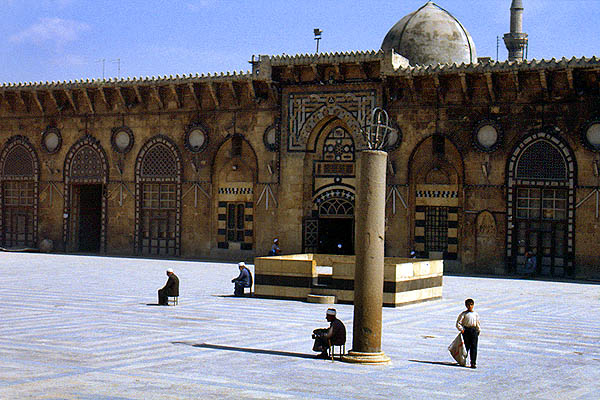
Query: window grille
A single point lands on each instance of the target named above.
(18, 213)
(159, 196)
(542, 161)
(18, 193)
(336, 207)
(86, 165)
(546, 204)
(18, 163)
(235, 222)
(159, 162)
(436, 229)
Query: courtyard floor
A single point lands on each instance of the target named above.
(80, 327)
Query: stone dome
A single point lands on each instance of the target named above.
(430, 36)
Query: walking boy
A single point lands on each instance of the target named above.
(468, 324)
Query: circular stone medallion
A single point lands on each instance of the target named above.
(487, 136)
(592, 136)
(393, 139)
(122, 139)
(270, 138)
(51, 140)
(196, 138)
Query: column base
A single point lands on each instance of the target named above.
(366, 358)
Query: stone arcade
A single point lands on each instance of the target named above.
(487, 160)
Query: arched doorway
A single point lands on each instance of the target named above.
(19, 177)
(541, 211)
(330, 227)
(436, 175)
(158, 198)
(86, 176)
(336, 222)
(235, 172)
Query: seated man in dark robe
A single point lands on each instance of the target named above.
(243, 280)
(171, 288)
(335, 334)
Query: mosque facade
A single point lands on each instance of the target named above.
(486, 160)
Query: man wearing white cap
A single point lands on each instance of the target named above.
(243, 280)
(275, 250)
(335, 334)
(171, 288)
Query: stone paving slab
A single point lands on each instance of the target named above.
(79, 327)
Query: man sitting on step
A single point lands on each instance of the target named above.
(243, 280)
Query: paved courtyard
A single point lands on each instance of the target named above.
(79, 327)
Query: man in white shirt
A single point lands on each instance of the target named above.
(468, 324)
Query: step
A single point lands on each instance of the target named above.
(320, 299)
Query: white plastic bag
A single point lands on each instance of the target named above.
(458, 350)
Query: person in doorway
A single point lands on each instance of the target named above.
(335, 334)
(171, 288)
(468, 324)
(275, 250)
(413, 254)
(243, 280)
(530, 263)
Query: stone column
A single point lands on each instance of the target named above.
(368, 271)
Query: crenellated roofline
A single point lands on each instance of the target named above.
(391, 66)
(500, 66)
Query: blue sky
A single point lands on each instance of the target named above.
(57, 40)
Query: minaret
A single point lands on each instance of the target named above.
(516, 40)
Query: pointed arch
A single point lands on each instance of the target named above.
(19, 187)
(317, 122)
(158, 175)
(86, 165)
(541, 175)
(235, 178)
(436, 173)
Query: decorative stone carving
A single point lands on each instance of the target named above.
(486, 225)
(307, 110)
(486, 236)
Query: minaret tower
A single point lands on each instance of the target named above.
(516, 40)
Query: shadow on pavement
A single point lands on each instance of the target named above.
(247, 350)
(447, 364)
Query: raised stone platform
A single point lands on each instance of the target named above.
(298, 276)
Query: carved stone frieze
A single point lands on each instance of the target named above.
(307, 110)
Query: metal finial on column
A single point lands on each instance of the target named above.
(370, 243)
(377, 129)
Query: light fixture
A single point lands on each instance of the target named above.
(317, 33)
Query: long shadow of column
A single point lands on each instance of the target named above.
(246, 350)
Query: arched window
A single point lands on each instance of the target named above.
(158, 187)
(541, 205)
(542, 161)
(336, 207)
(18, 194)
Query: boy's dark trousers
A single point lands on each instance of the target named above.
(471, 337)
